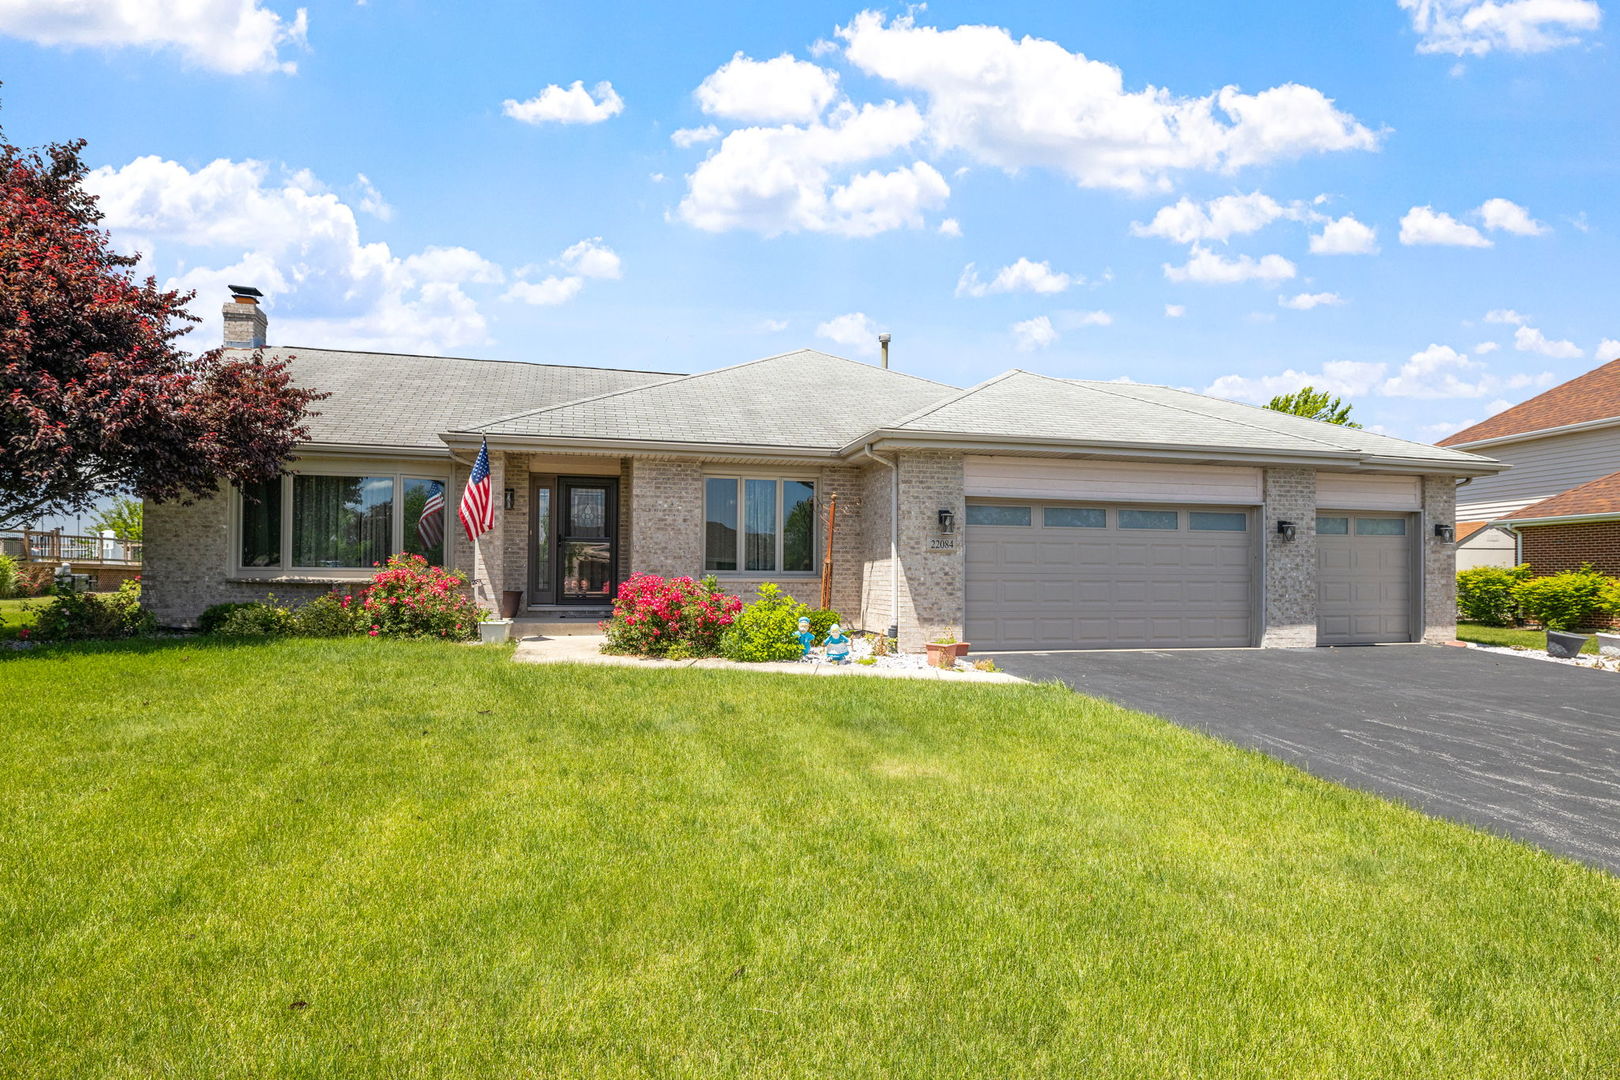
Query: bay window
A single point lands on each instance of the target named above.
(338, 523)
(759, 525)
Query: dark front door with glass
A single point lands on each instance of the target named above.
(587, 548)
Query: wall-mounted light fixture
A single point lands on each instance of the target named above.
(947, 521)
(1287, 530)
(1445, 532)
(510, 499)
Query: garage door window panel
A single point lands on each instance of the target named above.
(1333, 526)
(1074, 517)
(1013, 516)
(1207, 521)
(1166, 520)
(1380, 526)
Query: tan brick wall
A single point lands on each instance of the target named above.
(1553, 549)
(187, 559)
(513, 524)
(875, 539)
(1439, 560)
(931, 582)
(1290, 565)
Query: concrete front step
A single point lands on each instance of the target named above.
(574, 627)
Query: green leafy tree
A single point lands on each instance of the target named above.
(122, 519)
(1314, 404)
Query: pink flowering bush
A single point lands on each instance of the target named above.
(409, 598)
(674, 617)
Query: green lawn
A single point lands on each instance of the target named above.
(16, 614)
(380, 859)
(1511, 637)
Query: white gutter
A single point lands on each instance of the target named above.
(894, 539)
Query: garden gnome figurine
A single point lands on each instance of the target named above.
(837, 645)
(806, 636)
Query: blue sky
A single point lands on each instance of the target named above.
(1408, 201)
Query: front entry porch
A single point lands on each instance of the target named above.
(574, 550)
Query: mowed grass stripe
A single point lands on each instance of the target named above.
(467, 867)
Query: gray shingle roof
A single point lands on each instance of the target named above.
(804, 399)
(389, 399)
(1023, 405)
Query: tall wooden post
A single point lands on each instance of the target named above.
(826, 554)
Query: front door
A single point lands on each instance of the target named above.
(587, 548)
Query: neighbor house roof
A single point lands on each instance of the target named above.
(393, 399)
(801, 400)
(1595, 499)
(1583, 400)
(1465, 529)
(1024, 406)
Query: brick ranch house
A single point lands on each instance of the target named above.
(1558, 505)
(1025, 512)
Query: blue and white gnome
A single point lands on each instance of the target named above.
(837, 645)
(806, 636)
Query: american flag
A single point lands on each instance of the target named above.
(477, 508)
(430, 526)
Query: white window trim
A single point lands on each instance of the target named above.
(323, 574)
(739, 475)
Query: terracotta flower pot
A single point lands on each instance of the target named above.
(511, 600)
(945, 655)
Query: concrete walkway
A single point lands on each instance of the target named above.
(587, 649)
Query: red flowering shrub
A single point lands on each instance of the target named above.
(409, 598)
(673, 617)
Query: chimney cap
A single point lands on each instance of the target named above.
(244, 290)
(883, 338)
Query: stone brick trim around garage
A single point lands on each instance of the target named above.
(1552, 549)
(1290, 565)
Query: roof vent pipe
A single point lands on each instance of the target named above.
(883, 342)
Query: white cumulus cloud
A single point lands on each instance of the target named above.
(1477, 27)
(1485, 348)
(687, 137)
(236, 37)
(580, 261)
(774, 180)
(1026, 102)
(1190, 222)
(1345, 236)
(1608, 349)
(1306, 301)
(1425, 225)
(1021, 276)
(1031, 334)
(1174, 311)
(1503, 215)
(1344, 377)
(768, 91)
(1504, 316)
(1205, 267)
(574, 105)
(950, 227)
(235, 222)
(1529, 339)
(855, 332)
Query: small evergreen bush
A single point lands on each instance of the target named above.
(821, 621)
(1485, 594)
(765, 630)
(264, 619)
(328, 616)
(214, 616)
(1569, 601)
(8, 577)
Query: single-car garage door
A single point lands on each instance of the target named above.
(1048, 575)
(1363, 578)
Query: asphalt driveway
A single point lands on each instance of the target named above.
(1512, 745)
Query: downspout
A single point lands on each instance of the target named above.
(894, 540)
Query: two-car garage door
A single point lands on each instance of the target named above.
(1050, 575)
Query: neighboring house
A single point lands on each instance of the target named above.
(1025, 512)
(1558, 505)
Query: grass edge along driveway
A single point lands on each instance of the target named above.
(381, 859)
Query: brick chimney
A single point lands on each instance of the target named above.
(245, 321)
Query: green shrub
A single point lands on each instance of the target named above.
(35, 579)
(327, 616)
(1568, 601)
(87, 616)
(8, 577)
(259, 619)
(765, 630)
(214, 616)
(821, 621)
(1485, 594)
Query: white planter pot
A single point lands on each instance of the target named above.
(1609, 644)
(494, 632)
